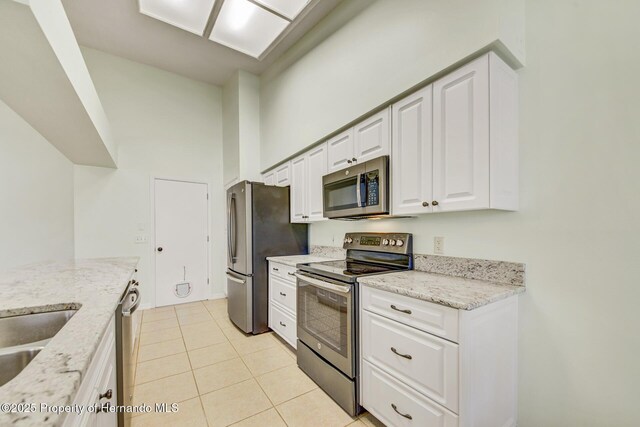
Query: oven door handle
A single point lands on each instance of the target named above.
(324, 285)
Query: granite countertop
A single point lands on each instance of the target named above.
(456, 292)
(93, 286)
(294, 260)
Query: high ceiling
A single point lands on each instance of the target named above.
(117, 27)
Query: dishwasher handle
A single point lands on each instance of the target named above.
(135, 302)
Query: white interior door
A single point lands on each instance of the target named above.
(181, 217)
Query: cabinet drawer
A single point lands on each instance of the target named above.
(424, 362)
(282, 271)
(283, 324)
(380, 391)
(433, 318)
(283, 293)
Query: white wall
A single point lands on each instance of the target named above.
(166, 126)
(241, 114)
(36, 195)
(577, 229)
(388, 48)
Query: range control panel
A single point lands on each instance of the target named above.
(401, 243)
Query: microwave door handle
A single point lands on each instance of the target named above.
(358, 195)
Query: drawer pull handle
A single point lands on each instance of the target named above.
(106, 395)
(406, 356)
(395, 408)
(282, 324)
(290, 273)
(400, 309)
(275, 269)
(283, 294)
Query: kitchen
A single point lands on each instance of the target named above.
(117, 124)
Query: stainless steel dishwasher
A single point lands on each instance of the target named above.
(125, 357)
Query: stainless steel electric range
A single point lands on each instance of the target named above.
(327, 310)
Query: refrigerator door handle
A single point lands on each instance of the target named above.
(235, 279)
(231, 235)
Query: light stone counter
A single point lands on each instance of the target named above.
(294, 260)
(456, 292)
(54, 375)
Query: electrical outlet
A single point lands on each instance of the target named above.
(438, 245)
(140, 239)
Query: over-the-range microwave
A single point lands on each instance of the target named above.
(358, 191)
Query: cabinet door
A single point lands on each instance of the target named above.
(316, 169)
(340, 151)
(283, 175)
(461, 138)
(269, 178)
(299, 189)
(411, 154)
(372, 137)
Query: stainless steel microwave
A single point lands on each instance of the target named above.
(358, 191)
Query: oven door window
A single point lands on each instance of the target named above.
(324, 315)
(341, 195)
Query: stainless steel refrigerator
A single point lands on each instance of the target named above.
(257, 227)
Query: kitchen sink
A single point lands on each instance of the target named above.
(12, 363)
(23, 337)
(31, 328)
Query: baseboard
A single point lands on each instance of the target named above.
(218, 296)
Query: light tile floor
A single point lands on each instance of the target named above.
(193, 355)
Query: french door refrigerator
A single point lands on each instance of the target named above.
(257, 227)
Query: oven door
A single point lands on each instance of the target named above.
(326, 320)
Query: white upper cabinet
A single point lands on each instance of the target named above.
(461, 138)
(307, 171)
(283, 174)
(269, 178)
(340, 151)
(298, 199)
(316, 169)
(372, 137)
(367, 140)
(461, 151)
(280, 175)
(411, 157)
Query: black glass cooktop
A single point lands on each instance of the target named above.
(347, 270)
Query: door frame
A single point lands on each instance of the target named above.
(152, 192)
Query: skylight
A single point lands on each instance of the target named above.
(248, 26)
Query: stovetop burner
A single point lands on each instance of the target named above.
(351, 268)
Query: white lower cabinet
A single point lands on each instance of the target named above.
(99, 386)
(282, 302)
(395, 404)
(427, 365)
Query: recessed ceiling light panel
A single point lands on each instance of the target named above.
(190, 15)
(246, 27)
(287, 8)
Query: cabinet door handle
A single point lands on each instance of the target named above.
(283, 294)
(349, 161)
(401, 310)
(395, 408)
(406, 356)
(435, 203)
(290, 273)
(106, 395)
(425, 204)
(282, 324)
(354, 160)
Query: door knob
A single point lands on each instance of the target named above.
(160, 249)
